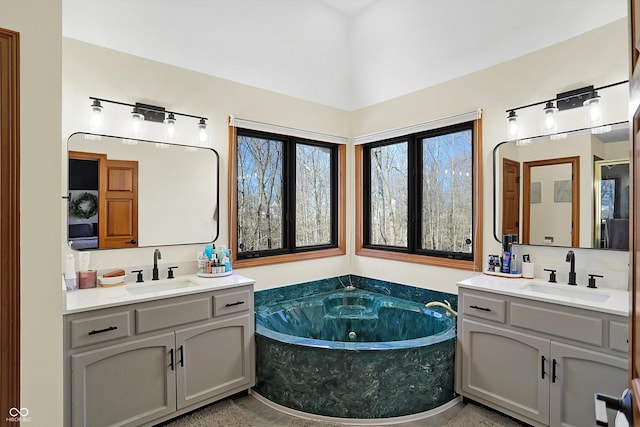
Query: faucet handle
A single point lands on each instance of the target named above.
(139, 278)
(592, 280)
(170, 274)
(552, 275)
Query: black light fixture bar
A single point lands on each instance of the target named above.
(571, 99)
(150, 112)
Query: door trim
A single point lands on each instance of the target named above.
(575, 196)
(9, 221)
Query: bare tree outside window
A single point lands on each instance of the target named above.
(260, 201)
(447, 192)
(313, 195)
(420, 195)
(286, 194)
(389, 195)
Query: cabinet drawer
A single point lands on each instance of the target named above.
(231, 302)
(619, 336)
(561, 324)
(486, 308)
(98, 329)
(166, 316)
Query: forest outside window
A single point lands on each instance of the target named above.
(419, 199)
(286, 191)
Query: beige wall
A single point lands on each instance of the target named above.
(89, 70)
(524, 80)
(598, 57)
(39, 25)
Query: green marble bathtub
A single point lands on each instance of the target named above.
(354, 354)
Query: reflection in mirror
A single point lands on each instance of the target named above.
(126, 193)
(574, 191)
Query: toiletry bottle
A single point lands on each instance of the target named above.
(202, 263)
(70, 277)
(506, 262)
(514, 264)
(506, 253)
(226, 263)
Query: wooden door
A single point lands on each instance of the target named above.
(118, 200)
(9, 221)
(510, 197)
(634, 203)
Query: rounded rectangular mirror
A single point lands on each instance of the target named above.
(570, 190)
(127, 193)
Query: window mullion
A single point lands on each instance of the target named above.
(289, 195)
(414, 231)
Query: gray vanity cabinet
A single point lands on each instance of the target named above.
(536, 361)
(504, 367)
(212, 359)
(125, 384)
(579, 374)
(140, 364)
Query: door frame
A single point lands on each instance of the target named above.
(9, 221)
(513, 163)
(574, 161)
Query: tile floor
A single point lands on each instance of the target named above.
(273, 417)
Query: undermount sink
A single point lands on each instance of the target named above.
(566, 291)
(167, 285)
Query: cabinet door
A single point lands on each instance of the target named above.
(212, 359)
(579, 374)
(123, 385)
(506, 368)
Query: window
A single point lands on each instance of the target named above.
(420, 198)
(287, 197)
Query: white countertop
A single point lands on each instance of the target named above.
(615, 301)
(131, 292)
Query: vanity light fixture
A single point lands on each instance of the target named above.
(202, 133)
(512, 125)
(594, 110)
(96, 115)
(137, 118)
(142, 113)
(583, 97)
(550, 123)
(170, 121)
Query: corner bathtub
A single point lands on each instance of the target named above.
(355, 354)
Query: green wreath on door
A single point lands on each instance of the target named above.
(84, 206)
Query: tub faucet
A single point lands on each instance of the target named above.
(571, 258)
(446, 304)
(156, 256)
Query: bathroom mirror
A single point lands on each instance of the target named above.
(569, 191)
(127, 193)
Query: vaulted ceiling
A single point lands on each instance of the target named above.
(346, 54)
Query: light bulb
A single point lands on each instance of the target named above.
(550, 124)
(136, 123)
(594, 110)
(96, 115)
(170, 121)
(512, 125)
(202, 133)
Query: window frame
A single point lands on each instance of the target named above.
(411, 253)
(289, 252)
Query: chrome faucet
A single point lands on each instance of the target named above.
(156, 256)
(571, 258)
